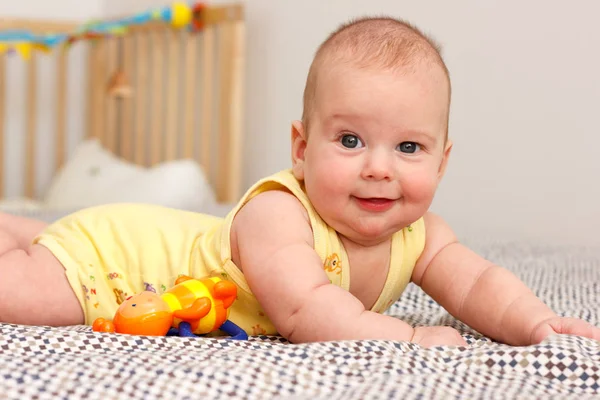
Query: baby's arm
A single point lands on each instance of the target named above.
(275, 251)
(485, 296)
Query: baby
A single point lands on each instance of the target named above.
(318, 252)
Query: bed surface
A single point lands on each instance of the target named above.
(42, 362)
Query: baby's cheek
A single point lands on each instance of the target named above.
(330, 175)
(419, 186)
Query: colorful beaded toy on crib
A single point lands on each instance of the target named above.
(23, 42)
(191, 307)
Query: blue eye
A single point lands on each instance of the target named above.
(408, 147)
(351, 141)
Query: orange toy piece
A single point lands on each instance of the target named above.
(192, 306)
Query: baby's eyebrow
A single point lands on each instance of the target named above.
(417, 135)
(342, 117)
(347, 120)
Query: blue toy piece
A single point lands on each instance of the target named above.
(234, 331)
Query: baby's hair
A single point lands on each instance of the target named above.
(379, 42)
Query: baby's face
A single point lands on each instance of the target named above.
(376, 149)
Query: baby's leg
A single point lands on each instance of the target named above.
(21, 228)
(33, 286)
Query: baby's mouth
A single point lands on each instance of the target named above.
(377, 204)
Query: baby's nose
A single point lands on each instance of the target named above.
(378, 166)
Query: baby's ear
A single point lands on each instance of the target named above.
(298, 148)
(445, 157)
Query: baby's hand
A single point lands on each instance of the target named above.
(430, 336)
(565, 326)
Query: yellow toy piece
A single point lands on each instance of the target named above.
(181, 14)
(23, 49)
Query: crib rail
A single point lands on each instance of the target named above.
(154, 94)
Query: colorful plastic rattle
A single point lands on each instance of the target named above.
(191, 307)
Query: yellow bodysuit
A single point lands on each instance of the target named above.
(113, 251)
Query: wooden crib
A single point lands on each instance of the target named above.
(153, 94)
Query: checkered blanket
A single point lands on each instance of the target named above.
(49, 363)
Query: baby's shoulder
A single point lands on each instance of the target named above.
(268, 222)
(269, 208)
(436, 227)
(274, 201)
(438, 236)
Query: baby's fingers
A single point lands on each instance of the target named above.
(596, 333)
(574, 326)
(438, 336)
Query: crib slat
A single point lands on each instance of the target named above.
(125, 131)
(110, 133)
(172, 85)
(31, 123)
(207, 98)
(225, 74)
(61, 107)
(140, 118)
(2, 119)
(97, 70)
(158, 53)
(92, 71)
(234, 179)
(189, 94)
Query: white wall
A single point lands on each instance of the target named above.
(526, 158)
(54, 9)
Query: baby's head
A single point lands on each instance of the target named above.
(372, 144)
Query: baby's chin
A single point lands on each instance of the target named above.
(366, 233)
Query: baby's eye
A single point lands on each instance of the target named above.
(408, 147)
(351, 141)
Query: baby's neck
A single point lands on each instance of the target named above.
(369, 266)
(361, 244)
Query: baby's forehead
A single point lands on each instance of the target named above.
(345, 76)
(397, 99)
(376, 45)
(344, 62)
